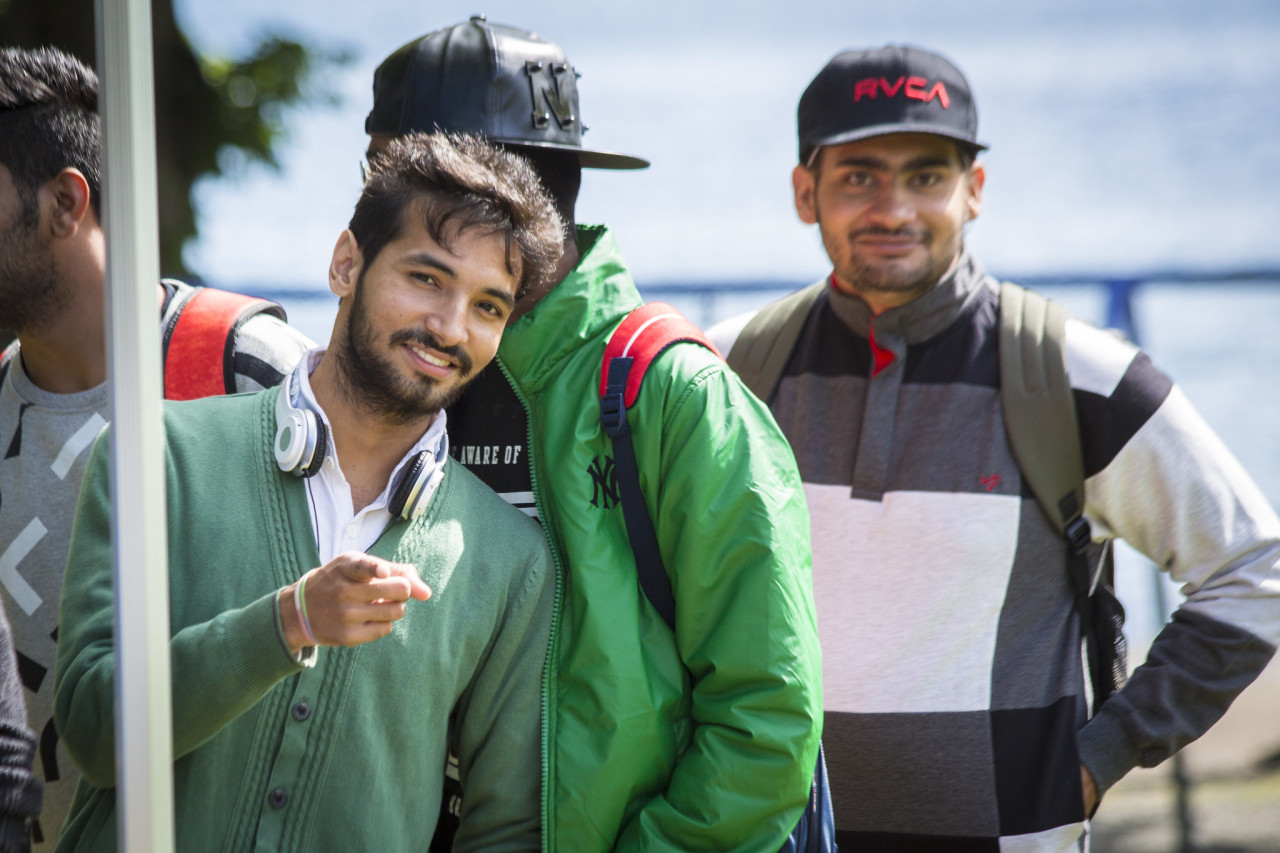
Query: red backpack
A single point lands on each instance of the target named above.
(199, 340)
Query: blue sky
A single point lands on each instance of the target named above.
(1124, 136)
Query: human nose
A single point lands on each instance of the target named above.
(447, 321)
(891, 206)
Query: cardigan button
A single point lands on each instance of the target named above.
(301, 711)
(277, 798)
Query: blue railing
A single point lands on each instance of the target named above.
(1120, 290)
(703, 301)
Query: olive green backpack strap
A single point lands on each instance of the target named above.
(1039, 409)
(1040, 420)
(763, 347)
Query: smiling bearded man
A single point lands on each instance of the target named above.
(347, 604)
(371, 380)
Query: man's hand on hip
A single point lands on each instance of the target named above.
(352, 599)
(1090, 791)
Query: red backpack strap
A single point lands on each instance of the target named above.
(199, 347)
(643, 336)
(7, 355)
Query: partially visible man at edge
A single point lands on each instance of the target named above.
(702, 740)
(956, 704)
(54, 394)
(314, 701)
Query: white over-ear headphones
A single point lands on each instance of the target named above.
(301, 437)
(302, 441)
(418, 481)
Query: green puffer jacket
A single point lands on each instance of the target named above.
(704, 740)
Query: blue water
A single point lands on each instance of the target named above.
(1124, 137)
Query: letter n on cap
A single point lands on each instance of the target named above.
(550, 93)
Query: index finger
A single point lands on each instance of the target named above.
(408, 571)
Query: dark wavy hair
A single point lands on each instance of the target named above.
(48, 121)
(458, 181)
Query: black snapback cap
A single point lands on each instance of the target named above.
(894, 89)
(506, 84)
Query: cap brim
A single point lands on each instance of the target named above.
(588, 158)
(897, 127)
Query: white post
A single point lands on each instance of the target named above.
(144, 739)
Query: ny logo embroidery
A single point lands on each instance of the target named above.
(553, 86)
(604, 482)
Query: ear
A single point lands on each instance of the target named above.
(977, 177)
(71, 202)
(344, 268)
(803, 185)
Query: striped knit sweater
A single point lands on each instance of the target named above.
(954, 694)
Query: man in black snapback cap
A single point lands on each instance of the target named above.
(957, 709)
(701, 740)
(508, 85)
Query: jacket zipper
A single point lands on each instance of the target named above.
(553, 640)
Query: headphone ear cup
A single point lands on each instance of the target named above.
(301, 437)
(405, 499)
(291, 436)
(289, 440)
(316, 427)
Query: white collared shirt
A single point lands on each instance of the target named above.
(336, 524)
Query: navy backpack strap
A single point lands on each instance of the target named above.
(643, 336)
(654, 581)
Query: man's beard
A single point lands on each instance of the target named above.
(372, 383)
(887, 277)
(32, 295)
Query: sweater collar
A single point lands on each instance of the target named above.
(28, 392)
(586, 304)
(922, 318)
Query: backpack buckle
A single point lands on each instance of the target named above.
(1078, 534)
(613, 404)
(613, 414)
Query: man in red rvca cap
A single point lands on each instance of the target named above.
(958, 713)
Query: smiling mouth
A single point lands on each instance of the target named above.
(431, 359)
(887, 242)
(891, 248)
(431, 355)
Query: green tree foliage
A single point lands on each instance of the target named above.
(213, 114)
